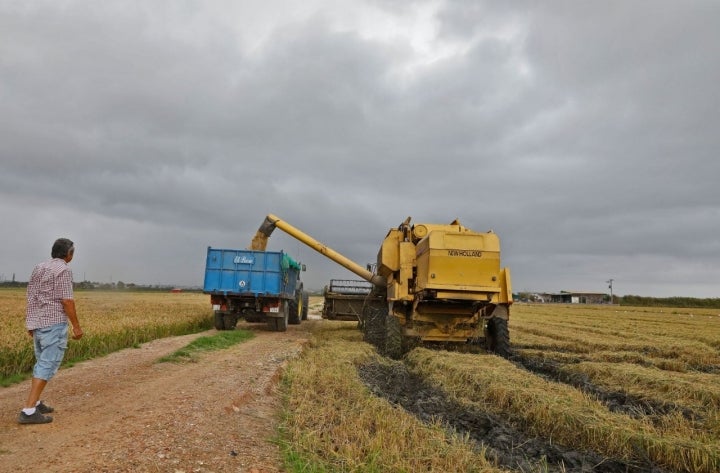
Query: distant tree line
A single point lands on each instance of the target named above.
(114, 286)
(641, 301)
(710, 303)
(12, 284)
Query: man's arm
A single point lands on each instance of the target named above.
(69, 306)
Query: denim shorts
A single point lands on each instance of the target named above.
(50, 345)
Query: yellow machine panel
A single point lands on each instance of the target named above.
(389, 254)
(459, 261)
(400, 283)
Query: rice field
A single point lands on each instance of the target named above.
(588, 388)
(111, 320)
(607, 389)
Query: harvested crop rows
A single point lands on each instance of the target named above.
(606, 389)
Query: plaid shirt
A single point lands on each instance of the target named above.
(50, 283)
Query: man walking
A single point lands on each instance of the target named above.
(50, 305)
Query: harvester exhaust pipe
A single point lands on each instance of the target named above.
(259, 243)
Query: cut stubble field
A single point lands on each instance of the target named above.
(588, 388)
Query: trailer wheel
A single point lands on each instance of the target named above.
(218, 321)
(283, 321)
(294, 311)
(305, 308)
(279, 324)
(229, 321)
(498, 337)
(253, 317)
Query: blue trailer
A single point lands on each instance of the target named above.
(259, 286)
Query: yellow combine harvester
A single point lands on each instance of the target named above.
(433, 284)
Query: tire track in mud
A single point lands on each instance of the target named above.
(505, 446)
(615, 401)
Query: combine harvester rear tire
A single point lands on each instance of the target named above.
(373, 326)
(498, 337)
(393, 338)
(385, 333)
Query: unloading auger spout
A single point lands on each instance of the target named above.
(259, 243)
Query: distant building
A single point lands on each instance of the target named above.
(569, 297)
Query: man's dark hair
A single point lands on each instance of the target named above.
(62, 247)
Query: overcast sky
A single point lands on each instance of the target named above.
(586, 134)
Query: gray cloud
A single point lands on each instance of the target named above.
(583, 134)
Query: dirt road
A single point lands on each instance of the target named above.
(126, 412)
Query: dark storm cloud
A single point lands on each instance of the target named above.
(614, 141)
(583, 133)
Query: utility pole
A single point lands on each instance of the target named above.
(610, 281)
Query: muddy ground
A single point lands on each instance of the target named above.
(615, 401)
(506, 445)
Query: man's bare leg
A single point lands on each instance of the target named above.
(36, 389)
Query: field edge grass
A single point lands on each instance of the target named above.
(217, 341)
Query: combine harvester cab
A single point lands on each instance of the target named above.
(259, 286)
